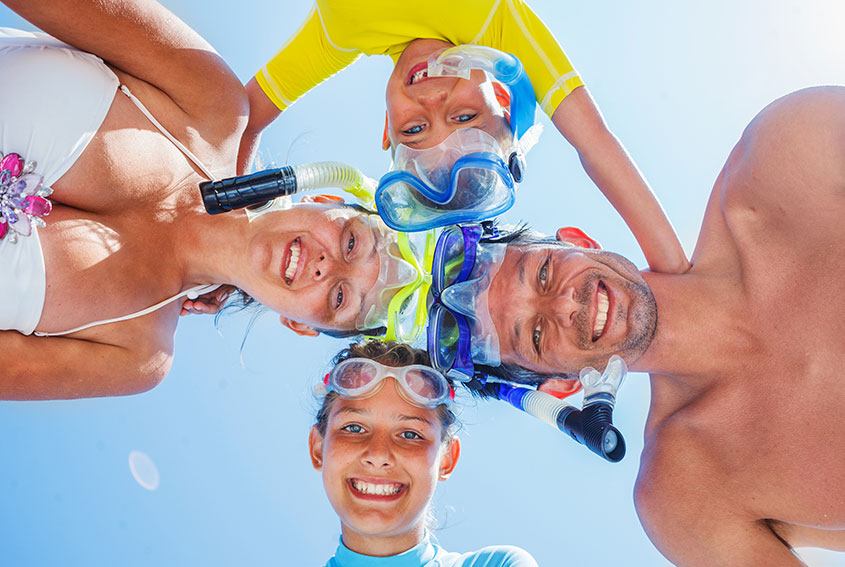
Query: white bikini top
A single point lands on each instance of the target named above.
(192, 293)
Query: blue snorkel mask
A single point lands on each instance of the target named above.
(469, 176)
(461, 334)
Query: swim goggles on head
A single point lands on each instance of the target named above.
(397, 299)
(468, 176)
(460, 329)
(419, 385)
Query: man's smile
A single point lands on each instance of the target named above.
(602, 306)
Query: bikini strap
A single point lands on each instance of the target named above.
(125, 90)
(192, 293)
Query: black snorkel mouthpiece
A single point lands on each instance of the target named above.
(592, 425)
(247, 190)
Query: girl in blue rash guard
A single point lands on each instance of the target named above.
(382, 439)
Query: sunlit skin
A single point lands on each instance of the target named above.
(382, 440)
(544, 304)
(423, 114)
(323, 283)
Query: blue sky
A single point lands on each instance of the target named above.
(677, 82)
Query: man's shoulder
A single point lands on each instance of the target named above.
(793, 151)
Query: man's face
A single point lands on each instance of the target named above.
(423, 111)
(560, 308)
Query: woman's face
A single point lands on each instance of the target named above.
(381, 458)
(423, 111)
(313, 264)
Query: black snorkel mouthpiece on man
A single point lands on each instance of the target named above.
(260, 188)
(592, 425)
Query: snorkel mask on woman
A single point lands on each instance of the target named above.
(469, 176)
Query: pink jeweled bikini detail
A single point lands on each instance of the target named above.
(22, 198)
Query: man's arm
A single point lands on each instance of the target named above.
(611, 169)
(145, 40)
(53, 368)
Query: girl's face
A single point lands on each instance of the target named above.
(381, 458)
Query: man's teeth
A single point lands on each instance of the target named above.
(388, 489)
(293, 262)
(601, 315)
(422, 74)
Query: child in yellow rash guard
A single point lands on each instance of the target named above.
(337, 32)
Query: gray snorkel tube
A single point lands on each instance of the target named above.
(591, 426)
(259, 189)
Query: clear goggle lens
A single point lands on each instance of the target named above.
(419, 385)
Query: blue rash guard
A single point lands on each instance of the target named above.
(429, 554)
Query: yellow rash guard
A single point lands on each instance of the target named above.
(337, 32)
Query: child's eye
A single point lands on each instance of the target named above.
(353, 428)
(413, 130)
(465, 117)
(339, 298)
(411, 435)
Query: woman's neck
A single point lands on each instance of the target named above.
(382, 546)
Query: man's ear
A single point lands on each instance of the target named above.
(315, 448)
(560, 387)
(450, 458)
(385, 137)
(300, 329)
(577, 237)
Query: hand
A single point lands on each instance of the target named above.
(209, 303)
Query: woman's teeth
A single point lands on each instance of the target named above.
(601, 315)
(388, 489)
(293, 261)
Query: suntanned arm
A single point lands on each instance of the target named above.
(52, 368)
(611, 169)
(144, 39)
(262, 112)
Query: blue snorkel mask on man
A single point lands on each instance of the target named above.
(469, 176)
(461, 335)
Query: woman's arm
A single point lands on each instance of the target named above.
(144, 39)
(55, 368)
(611, 169)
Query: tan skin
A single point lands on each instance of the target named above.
(151, 237)
(742, 451)
(422, 114)
(382, 440)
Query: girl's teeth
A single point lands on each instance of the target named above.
(293, 262)
(376, 489)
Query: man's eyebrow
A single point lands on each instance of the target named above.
(515, 338)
